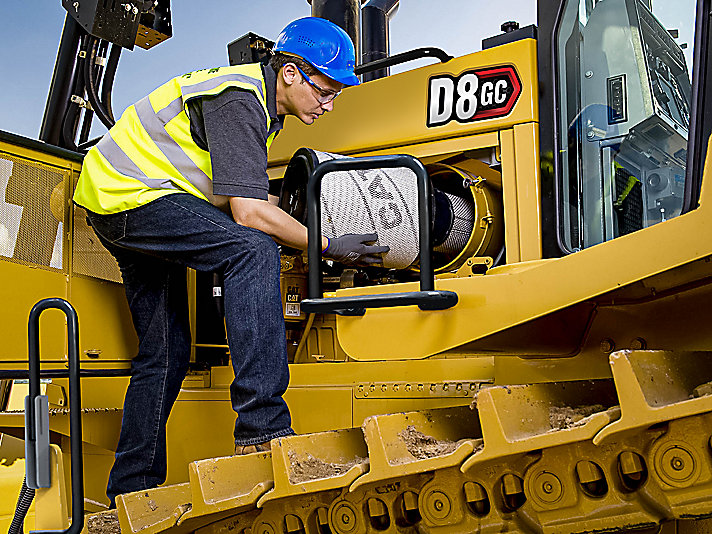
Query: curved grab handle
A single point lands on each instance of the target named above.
(427, 282)
(427, 298)
(75, 403)
(403, 57)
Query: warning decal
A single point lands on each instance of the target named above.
(473, 95)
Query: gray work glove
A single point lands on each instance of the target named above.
(352, 249)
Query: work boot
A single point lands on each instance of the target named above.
(250, 449)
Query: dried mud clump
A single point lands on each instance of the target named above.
(311, 468)
(563, 417)
(104, 523)
(703, 390)
(421, 446)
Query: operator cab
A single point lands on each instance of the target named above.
(622, 107)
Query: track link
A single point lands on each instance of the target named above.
(594, 456)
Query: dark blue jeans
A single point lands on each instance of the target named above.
(153, 245)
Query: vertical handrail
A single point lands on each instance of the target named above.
(75, 403)
(427, 276)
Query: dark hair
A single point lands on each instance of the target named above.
(279, 60)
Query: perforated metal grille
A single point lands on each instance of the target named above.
(463, 222)
(32, 204)
(630, 210)
(89, 257)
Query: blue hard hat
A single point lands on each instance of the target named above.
(323, 44)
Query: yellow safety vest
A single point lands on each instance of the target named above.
(150, 152)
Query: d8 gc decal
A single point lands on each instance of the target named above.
(473, 95)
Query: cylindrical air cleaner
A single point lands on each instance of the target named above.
(384, 202)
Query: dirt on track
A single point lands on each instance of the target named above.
(311, 468)
(421, 446)
(104, 523)
(563, 417)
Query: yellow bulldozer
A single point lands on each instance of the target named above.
(535, 360)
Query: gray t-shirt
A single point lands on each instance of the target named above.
(232, 126)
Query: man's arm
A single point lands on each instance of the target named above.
(349, 249)
(235, 126)
(265, 216)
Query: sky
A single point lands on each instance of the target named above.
(30, 31)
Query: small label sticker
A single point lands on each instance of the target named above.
(292, 309)
(217, 291)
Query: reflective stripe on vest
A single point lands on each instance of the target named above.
(150, 151)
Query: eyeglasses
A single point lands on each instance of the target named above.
(325, 95)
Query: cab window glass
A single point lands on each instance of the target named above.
(622, 70)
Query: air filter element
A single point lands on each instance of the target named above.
(385, 202)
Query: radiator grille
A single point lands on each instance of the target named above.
(32, 200)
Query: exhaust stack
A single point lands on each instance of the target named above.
(344, 13)
(376, 18)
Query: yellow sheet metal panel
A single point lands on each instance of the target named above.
(393, 111)
(500, 300)
(351, 373)
(706, 190)
(106, 333)
(428, 152)
(33, 247)
(51, 510)
(526, 146)
(510, 197)
(12, 472)
(306, 405)
(21, 288)
(39, 155)
(97, 464)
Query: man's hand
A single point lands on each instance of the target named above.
(352, 249)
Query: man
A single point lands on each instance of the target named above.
(152, 187)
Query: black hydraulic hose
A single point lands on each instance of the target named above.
(88, 144)
(109, 75)
(499, 258)
(23, 505)
(92, 94)
(86, 127)
(88, 113)
(101, 53)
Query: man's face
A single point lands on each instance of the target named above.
(310, 95)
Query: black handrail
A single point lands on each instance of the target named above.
(75, 403)
(427, 298)
(403, 57)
